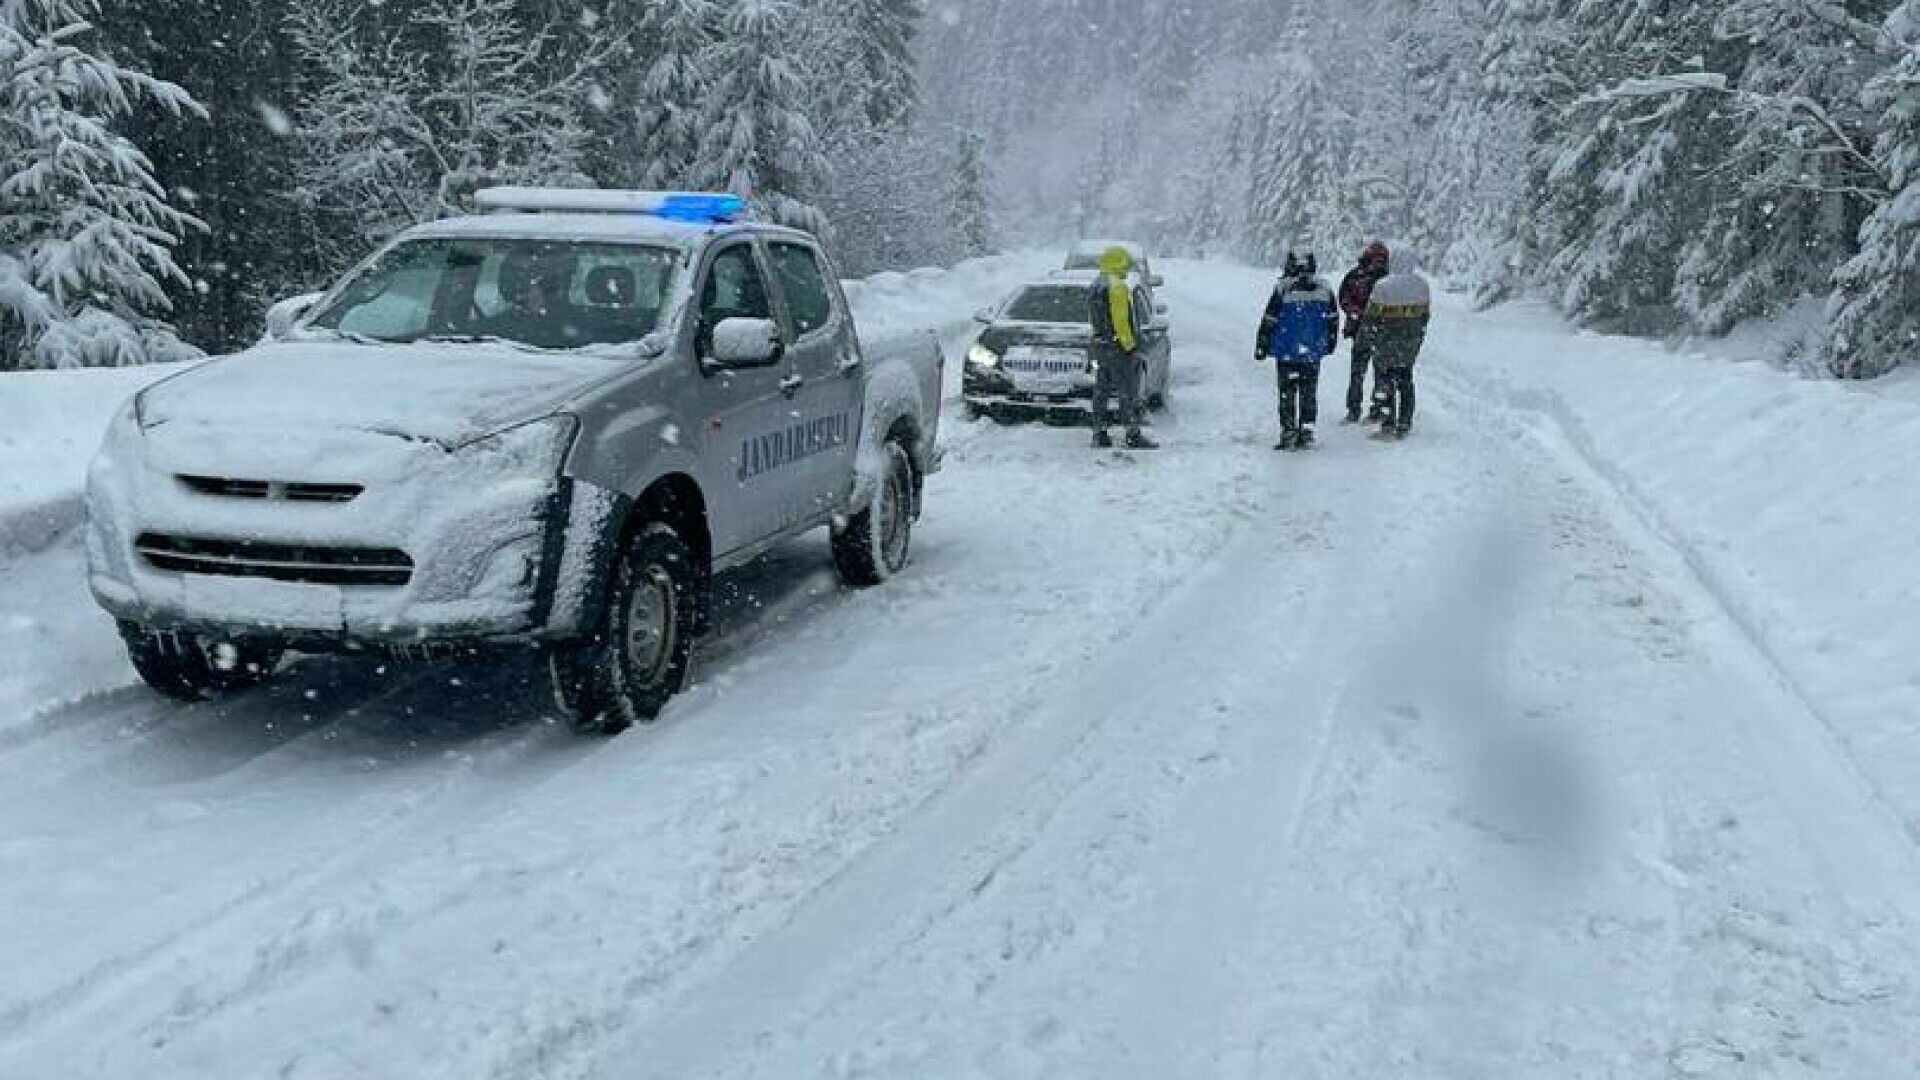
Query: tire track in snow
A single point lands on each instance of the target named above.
(952, 845)
(455, 795)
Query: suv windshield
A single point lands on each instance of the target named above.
(1050, 304)
(539, 293)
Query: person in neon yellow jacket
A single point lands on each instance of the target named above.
(1119, 367)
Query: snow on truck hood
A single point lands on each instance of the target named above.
(449, 394)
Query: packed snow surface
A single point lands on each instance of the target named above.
(1571, 737)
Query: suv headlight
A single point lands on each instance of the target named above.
(982, 357)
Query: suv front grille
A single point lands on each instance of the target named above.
(1047, 362)
(229, 488)
(278, 562)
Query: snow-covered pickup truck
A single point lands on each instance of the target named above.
(546, 425)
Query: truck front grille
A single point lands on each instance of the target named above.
(278, 562)
(230, 488)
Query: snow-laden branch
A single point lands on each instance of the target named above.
(1685, 82)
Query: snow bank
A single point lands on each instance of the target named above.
(891, 303)
(1794, 500)
(50, 424)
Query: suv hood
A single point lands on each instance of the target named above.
(1002, 335)
(448, 394)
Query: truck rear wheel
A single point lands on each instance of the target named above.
(874, 544)
(188, 667)
(638, 658)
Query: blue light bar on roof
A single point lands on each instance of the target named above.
(695, 207)
(686, 206)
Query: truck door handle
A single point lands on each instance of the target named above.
(791, 384)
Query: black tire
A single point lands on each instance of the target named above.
(638, 658)
(974, 410)
(875, 543)
(189, 667)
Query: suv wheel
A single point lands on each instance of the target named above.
(874, 544)
(189, 667)
(638, 658)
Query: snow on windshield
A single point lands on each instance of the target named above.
(1049, 304)
(541, 293)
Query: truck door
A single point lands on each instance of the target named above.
(826, 411)
(745, 410)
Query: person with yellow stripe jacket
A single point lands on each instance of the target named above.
(1392, 333)
(1115, 356)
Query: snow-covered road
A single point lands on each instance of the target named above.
(1422, 760)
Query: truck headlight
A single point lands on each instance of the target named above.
(982, 357)
(534, 451)
(121, 446)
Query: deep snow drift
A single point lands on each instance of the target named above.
(1503, 752)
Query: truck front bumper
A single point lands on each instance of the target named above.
(417, 559)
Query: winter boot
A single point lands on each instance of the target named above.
(1304, 439)
(1353, 417)
(1288, 440)
(1137, 440)
(1102, 440)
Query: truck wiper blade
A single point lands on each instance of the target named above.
(466, 339)
(357, 339)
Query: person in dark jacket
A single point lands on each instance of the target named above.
(1115, 353)
(1355, 290)
(1393, 332)
(1300, 328)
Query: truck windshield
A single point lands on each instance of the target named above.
(542, 294)
(1050, 304)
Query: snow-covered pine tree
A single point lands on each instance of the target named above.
(400, 128)
(667, 86)
(1795, 184)
(1632, 124)
(86, 234)
(972, 196)
(1875, 310)
(232, 173)
(1299, 154)
(1446, 157)
(860, 64)
(1095, 181)
(756, 138)
(1216, 212)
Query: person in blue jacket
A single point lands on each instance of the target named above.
(1301, 327)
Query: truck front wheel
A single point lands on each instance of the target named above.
(187, 667)
(873, 544)
(637, 659)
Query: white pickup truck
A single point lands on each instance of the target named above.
(549, 424)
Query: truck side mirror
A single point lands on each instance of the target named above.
(283, 316)
(747, 343)
(984, 316)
